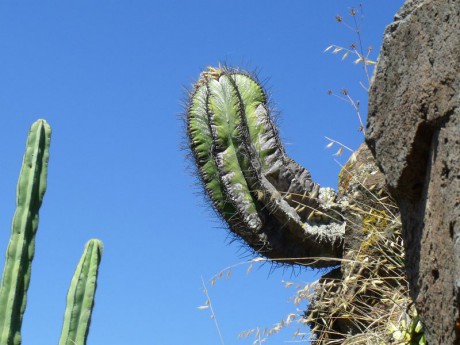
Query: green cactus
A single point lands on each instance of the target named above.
(80, 299)
(16, 274)
(265, 197)
(20, 253)
(272, 203)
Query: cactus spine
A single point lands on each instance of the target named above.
(80, 299)
(265, 197)
(16, 275)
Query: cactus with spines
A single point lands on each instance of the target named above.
(265, 197)
(15, 281)
(272, 203)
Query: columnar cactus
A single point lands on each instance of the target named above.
(265, 197)
(20, 253)
(80, 299)
(16, 274)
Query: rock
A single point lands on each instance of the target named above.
(413, 131)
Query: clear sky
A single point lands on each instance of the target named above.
(111, 78)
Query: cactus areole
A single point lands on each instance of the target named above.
(265, 197)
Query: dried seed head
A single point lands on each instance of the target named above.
(210, 73)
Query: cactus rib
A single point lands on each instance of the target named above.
(80, 298)
(225, 122)
(16, 274)
(256, 188)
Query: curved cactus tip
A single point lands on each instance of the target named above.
(264, 196)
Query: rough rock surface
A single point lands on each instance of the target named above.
(413, 131)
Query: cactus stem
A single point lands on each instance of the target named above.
(80, 298)
(29, 195)
(246, 173)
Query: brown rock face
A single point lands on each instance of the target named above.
(413, 131)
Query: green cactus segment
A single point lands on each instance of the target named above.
(281, 171)
(16, 273)
(212, 126)
(201, 142)
(80, 298)
(258, 120)
(263, 150)
(232, 166)
(265, 197)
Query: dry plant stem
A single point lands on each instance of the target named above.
(228, 269)
(339, 143)
(259, 339)
(377, 200)
(355, 106)
(364, 86)
(356, 29)
(365, 59)
(357, 50)
(213, 315)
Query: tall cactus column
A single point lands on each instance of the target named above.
(16, 275)
(265, 197)
(80, 298)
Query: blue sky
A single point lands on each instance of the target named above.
(110, 78)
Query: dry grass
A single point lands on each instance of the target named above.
(364, 301)
(367, 302)
(370, 293)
